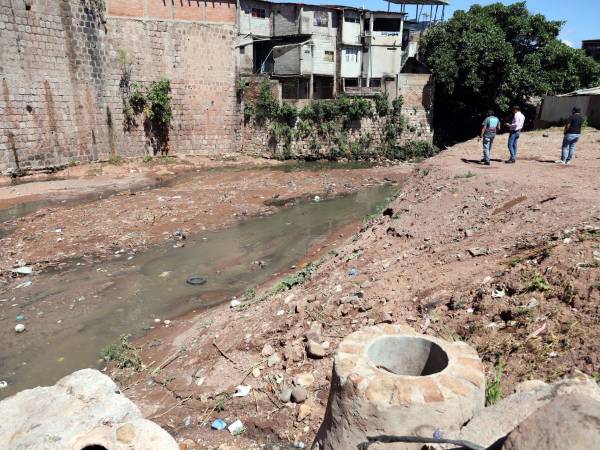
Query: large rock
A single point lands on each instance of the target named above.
(566, 423)
(493, 423)
(82, 409)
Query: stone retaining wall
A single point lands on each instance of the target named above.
(63, 65)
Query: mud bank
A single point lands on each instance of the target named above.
(504, 257)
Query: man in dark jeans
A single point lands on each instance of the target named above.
(489, 127)
(515, 132)
(572, 134)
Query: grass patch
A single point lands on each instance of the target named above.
(492, 388)
(469, 174)
(115, 160)
(123, 353)
(72, 163)
(538, 283)
(148, 158)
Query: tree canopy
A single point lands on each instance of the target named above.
(495, 57)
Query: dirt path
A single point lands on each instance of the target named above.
(505, 257)
(154, 204)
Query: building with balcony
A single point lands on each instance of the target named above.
(318, 52)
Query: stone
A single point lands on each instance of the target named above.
(529, 385)
(304, 411)
(294, 353)
(267, 350)
(304, 379)
(315, 350)
(286, 395)
(565, 423)
(273, 360)
(81, 409)
(19, 328)
(298, 395)
(256, 372)
(478, 251)
(469, 233)
(495, 422)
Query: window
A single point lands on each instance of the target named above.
(386, 25)
(328, 56)
(242, 50)
(259, 12)
(351, 82)
(367, 25)
(375, 82)
(351, 17)
(351, 55)
(321, 19)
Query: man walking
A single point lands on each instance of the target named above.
(572, 134)
(515, 132)
(489, 127)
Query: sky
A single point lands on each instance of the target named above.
(582, 16)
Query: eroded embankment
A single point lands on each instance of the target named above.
(504, 257)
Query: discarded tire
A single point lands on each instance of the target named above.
(389, 380)
(196, 281)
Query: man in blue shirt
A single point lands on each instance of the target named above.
(490, 126)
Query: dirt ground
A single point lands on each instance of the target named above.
(505, 257)
(142, 205)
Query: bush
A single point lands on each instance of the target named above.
(288, 114)
(123, 353)
(266, 106)
(381, 105)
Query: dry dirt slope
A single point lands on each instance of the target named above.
(505, 257)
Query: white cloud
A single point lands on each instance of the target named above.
(568, 42)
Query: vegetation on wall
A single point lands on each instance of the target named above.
(328, 123)
(153, 101)
(495, 57)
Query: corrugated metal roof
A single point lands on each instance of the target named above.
(420, 2)
(589, 91)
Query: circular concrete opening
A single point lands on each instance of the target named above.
(404, 355)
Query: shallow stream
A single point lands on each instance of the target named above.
(72, 314)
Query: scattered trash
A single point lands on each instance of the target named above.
(353, 272)
(165, 274)
(167, 322)
(242, 390)
(236, 427)
(498, 293)
(437, 434)
(20, 317)
(157, 320)
(316, 198)
(25, 270)
(539, 331)
(3, 384)
(281, 312)
(299, 444)
(196, 280)
(20, 328)
(218, 424)
(234, 303)
(187, 422)
(532, 303)
(470, 310)
(24, 284)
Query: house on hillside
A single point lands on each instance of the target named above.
(321, 51)
(556, 109)
(592, 48)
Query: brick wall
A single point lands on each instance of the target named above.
(62, 66)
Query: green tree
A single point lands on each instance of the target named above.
(494, 57)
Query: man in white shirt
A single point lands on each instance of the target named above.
(515, 131)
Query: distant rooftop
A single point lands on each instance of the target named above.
(589, 91)
(420, 2)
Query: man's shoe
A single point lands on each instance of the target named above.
(509, 161)
(568, 163)
(559, 161)
(487, 163)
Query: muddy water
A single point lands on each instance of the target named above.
(71, 315)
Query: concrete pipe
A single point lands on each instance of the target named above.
(390, 380)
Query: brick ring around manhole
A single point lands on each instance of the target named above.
(390, 380)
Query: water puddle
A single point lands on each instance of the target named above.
(71, 315)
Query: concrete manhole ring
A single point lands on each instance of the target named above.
(388, 379)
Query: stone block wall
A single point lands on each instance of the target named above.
(63, 65)
(260, 141)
